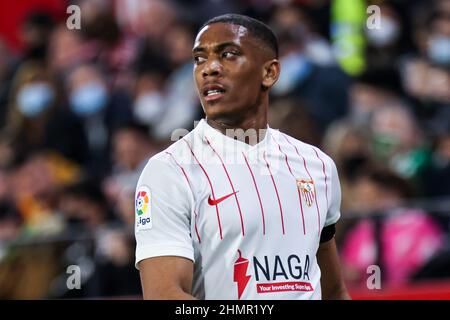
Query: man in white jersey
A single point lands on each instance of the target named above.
(235, 209)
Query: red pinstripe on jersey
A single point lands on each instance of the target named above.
(190, 187)
(231, 184)
(324, 173)
(295, 179)
(276, 191)
(210, 185)
(257, 192)
(315, 190)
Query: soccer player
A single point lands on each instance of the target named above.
(235, 209)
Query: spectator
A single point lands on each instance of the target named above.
(398, 139)
(35, 34)
(323, 89)
(101, 111)
(180, 95)
(149, 101)
(372, 90)
(85, 205)
(426, 76)
(350, 146)
(132, 147)
(66, 50)
(106, 45)
(390, 42)
(34, 187)
(399, 243)
(37, 119)
(293, 119)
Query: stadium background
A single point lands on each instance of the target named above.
(82, 110)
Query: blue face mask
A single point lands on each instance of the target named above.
(439, 50)
(89, 98)
(295, 68)
(34, 98)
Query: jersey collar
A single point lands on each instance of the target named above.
(226, 145)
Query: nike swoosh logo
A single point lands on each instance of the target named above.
(214, 202)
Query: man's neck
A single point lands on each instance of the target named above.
(251, 129)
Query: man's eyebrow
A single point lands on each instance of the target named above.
(218, 47)
(198, 49)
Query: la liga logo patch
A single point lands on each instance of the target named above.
(142, 202)
(143, 208)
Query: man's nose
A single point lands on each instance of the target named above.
(212, 68)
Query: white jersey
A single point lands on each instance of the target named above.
(250, 217)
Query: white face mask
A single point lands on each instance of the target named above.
(149, 107)
(439, 50)
(387, 33)
(89, 98)
(294, 69)
(35, 98)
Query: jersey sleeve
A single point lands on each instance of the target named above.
(163, 203)
(334, 209)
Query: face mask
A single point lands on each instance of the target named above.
(89, 98)
(149, 107)
(384, 145)
(360, 115)
(439, 50)
(33, 99)
(294, 70)
(385, 35)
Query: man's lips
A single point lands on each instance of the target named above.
(213, 91)
(214, 96)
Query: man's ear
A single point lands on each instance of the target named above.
(271, 72)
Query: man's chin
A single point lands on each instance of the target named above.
(221, 114)
(222, 111)
(217, 111)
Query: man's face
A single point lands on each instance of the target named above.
(228, 70)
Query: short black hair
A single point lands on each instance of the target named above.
(256, 28)
(388, 180)
(88, 189)
(135, 126)
(386, 78)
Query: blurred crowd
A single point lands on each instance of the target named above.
(82, 110)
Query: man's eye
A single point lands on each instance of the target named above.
(228, 54)
(198, 59)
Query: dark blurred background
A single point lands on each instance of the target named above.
(81, 111)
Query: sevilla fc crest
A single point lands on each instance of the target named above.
(307, 189)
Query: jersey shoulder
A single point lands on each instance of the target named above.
(303, 147)
(177, 153)
(167, 163)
